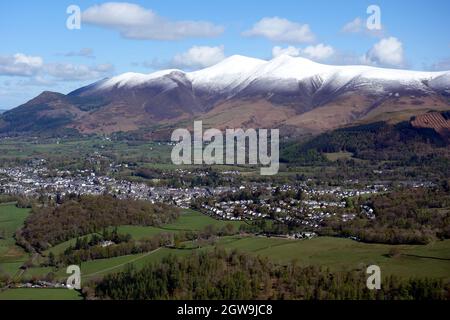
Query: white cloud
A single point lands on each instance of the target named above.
(199, 57)
(20, 64)
(136, 22)
(76, 72)
(290, 51)
(319, 52)
(388, 51)
(280, 29)
(315, 52)
(38, 72)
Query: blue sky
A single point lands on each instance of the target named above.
(39, 53)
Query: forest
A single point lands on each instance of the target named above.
(405, 216)
(53, 224)
(375, 141)
(232, 275)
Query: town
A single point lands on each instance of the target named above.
(301, 205)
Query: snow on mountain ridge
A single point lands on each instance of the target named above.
(238, 71)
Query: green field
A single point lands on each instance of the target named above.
(39, 294)
(61, 247)
(11, 255)
(100, 267)
(189, 220)
(338, 156)
(79, 148)
(432, 260)
(193, 220)
(11, 217)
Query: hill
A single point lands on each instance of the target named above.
(294, 94)
(422, 136)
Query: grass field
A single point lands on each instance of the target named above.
(432, 260)
(338, 156)
(11, 217)
(193, 220)
(101, 267)
(39, 294)
(188, 220)
(61, 247)
(336, 254)
(11, 255)
(80, 148)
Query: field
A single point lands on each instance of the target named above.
(189, 220)
(338, 156)
(81, 148)
(11, 256)
(432, 260)
(193, 220)
(39, 294)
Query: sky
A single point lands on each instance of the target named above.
(42, 48)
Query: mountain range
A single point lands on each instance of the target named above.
(291, 93)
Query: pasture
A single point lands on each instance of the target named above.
(11, 255)
(39, 294)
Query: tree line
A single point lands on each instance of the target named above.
(405, 216)
(223, 275)
(49, 225)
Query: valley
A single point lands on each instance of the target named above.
(323, 209)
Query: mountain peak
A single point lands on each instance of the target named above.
(238, 91)
(134, 78)
(235, 63)
(237, 58)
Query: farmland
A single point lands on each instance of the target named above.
(11, 255)
(39, 294)
(432, 260)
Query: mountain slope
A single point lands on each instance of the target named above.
(294, 94)
(423, 136)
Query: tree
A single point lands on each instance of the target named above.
(51, 259)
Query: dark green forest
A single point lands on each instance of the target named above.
(233, 275)
(375, 141)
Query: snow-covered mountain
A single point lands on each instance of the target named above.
(286, 91)
(237, 72)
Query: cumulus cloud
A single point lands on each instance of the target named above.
(388, 51)
(289, 50)
(34, 68)
(198, 57)
(136, 22)
(20, 64)
(280, 29)
(319, 52)
(315, 52)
